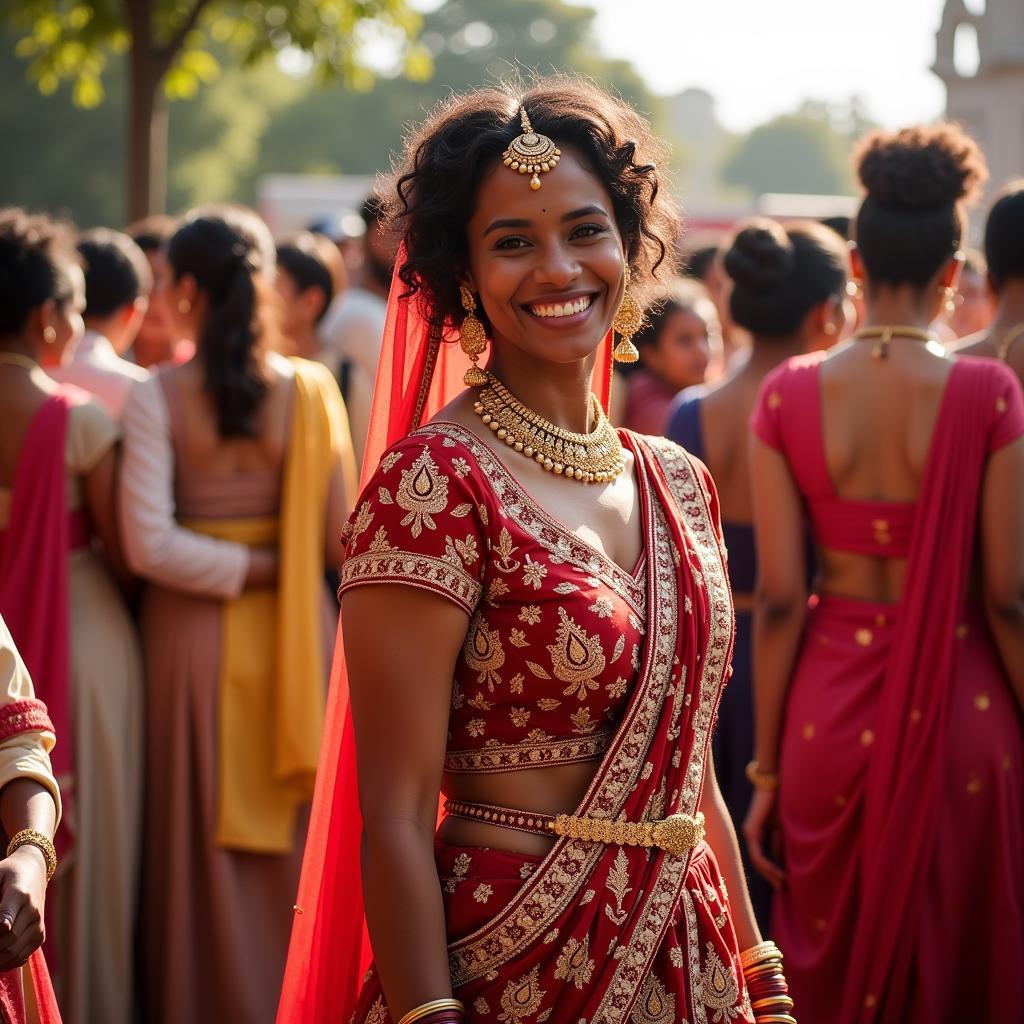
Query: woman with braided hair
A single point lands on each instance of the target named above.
(235, 465)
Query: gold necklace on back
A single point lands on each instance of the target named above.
(883, 336)
(591, 458)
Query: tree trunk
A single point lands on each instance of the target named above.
(146, 148)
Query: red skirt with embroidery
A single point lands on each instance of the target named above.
(695, 974)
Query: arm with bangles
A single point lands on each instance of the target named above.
(401, 646)
(780, 605)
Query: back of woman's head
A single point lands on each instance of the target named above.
(435, 191)
(230, 254)
(35, 254)
(918, 181)
(780, 274)
(1004, 236)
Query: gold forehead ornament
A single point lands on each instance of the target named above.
(531, 153)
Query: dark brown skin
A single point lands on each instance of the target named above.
(394, 634)
(24, 803)
(878, 418)
(1009, 301)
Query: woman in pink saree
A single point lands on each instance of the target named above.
(889, 707)
(545, 652)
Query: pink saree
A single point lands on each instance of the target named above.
(34, 551)
(902, 756)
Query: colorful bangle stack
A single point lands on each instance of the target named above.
(766, 984)
(437, 1011)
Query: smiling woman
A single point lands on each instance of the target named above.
(536, 621)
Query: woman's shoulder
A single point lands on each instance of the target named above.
(793, 371)
(92, 431)
(684, 425)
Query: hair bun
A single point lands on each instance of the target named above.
(922, 167)
(761, 256)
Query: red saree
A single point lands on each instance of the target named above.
(902, 757)
(604, 932)
(34, 551)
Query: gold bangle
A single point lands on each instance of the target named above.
(780, 1002)
(33, 837)
(775, 1018)
(425, 1009)
(758, 954)
(767, 782)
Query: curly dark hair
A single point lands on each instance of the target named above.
(918, 181)
(35, 254)
(433, 193)
(229, 252)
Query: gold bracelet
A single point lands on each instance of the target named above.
(758, 954)
(766, 782)
(425, 1009)
(775, 1018)
(769, 1002)
(33, 837)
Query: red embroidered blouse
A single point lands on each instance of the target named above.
(553, 645)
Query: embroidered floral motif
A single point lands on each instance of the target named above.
(519, 716)
(582, 722)
(655, 1005)
(618, 885)
(482, 893)
(574, 963)
(481, 1007)
(423, 493)
(378, 1012)
(576, 657)
(390, 461)
(517, 638)
(530, 614)
(532, 752)
(617, 689)
(362, 520)
(603, 607)
(459, 871)
(483, 652)
(380, 541)
(503, 551)
(461, 467)
(718, 989)
(522, 998)
(534, 573)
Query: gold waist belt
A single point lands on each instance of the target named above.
(678, 833)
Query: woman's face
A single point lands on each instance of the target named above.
(547, 265)
(682, 349)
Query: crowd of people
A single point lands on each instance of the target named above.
(786, 617)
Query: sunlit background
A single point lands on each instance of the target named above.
(757, 99)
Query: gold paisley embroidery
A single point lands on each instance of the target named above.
(655, 1005)
(423, 493)
(574, 963)
(718, 988)
(522, 998)
(617, 884)
(483, 652)
(378, 1012)
(576, 657)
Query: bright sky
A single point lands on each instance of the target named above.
(759, 58)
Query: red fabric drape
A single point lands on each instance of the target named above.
(420, 371)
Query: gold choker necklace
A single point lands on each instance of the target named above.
(1005, 343)
(17, 359)
(885, 334)
(590, 458)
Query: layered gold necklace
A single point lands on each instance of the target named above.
(590, 458)
(885, 334)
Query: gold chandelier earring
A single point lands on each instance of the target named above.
(628, 319)
(472, 338)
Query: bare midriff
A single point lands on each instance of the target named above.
(879, 580)
(553, 790)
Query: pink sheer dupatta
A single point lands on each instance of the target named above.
(420, 371)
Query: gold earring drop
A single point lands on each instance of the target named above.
(830, 328)
(472, 338)
(50, 335)
(628, 319)
(948, 300)
(184, 306)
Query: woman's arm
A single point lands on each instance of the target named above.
(1002, 557)
(401, 646)
(721, 837)
(780, 603)
(155, 546)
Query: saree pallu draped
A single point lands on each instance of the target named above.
(35, 550)
(903, 771)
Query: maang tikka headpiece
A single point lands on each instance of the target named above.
(531, 153)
